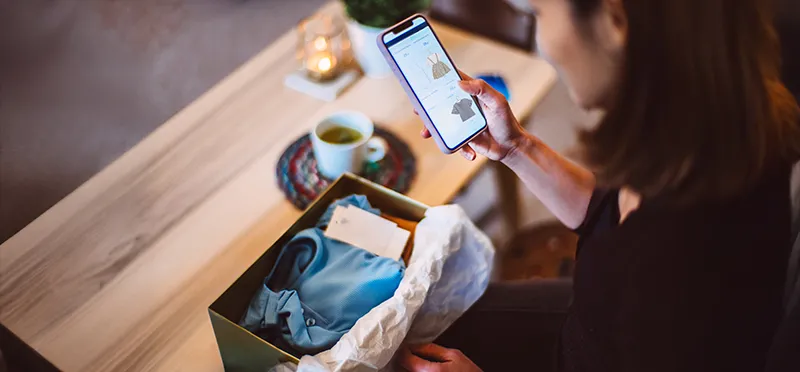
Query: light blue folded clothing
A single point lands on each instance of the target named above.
(320, 287)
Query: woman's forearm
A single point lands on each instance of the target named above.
(564, 187)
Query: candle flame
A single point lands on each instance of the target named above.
(324, 64)
(320, 43)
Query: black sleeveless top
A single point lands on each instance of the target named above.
(692, 289)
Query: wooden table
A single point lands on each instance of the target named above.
(119, 274)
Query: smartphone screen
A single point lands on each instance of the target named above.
(434, 80)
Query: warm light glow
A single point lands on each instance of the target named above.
(320, 43)
(324, 64)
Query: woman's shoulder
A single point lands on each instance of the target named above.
(767, 202)
(760, 217)
(749, 233)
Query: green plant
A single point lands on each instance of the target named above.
(383, 13)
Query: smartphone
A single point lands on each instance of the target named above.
(430, 79)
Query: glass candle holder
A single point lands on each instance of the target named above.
(321, 47)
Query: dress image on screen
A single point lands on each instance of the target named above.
(438, 68)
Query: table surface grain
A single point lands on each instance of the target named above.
(119, 274)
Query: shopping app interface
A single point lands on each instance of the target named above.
(435, 81)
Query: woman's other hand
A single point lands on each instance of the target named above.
(504, 132)
(434, 358)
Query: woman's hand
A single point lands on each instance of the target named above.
(434, 358)
(504, 132)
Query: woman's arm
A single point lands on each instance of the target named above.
(564, 187)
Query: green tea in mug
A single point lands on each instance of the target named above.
(341, 135)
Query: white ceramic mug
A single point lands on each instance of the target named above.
(334, 159)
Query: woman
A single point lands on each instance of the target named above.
(684, 217)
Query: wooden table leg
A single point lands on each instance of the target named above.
(508, 187)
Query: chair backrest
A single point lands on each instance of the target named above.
(788, 27)
(792, 294)
(494, 19)
(785, 352)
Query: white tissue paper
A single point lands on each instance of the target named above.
(448, 271)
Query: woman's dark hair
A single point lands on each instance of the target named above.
(700, 113)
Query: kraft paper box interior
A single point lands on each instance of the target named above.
(244, 351)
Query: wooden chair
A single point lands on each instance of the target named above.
(544, 251)
(785, 353)
(495, 19)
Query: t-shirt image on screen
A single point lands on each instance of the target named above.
(435, 82)
(464, 109)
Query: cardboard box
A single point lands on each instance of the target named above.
(244, 351)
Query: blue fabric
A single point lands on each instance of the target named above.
(320, 287)
(498, 83)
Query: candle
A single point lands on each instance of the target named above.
(321, 46)
(324, 64)
(320, 43)
(321, 65)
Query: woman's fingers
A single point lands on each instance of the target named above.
(433, 352)
(487, 96)
(479, 145)
(425, 133)
(468, 153)
(464, 76)
(413, 363)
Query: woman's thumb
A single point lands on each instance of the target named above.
(480, 89)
